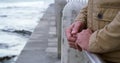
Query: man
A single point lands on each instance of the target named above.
(97, 29)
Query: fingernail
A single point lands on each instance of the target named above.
(73, 32)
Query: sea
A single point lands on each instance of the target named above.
(18, 19)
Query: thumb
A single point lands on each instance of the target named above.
(76, 28)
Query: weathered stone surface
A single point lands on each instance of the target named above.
(40, 45)
(52, 40)
(52, 44)
(70, 55)
(51, 50)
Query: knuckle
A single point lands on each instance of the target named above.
(84, 30)
(69, 39)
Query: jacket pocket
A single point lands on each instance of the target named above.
(105, 15)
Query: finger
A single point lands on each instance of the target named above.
(76, 28)
(71, 39)
(70, 42)
(78, 47)
(68, 34)
(72, 45)
(75, 36)
(79, 35)
(68, 31)
(82, 46)
(78, 41)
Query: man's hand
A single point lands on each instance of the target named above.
(73, 30)
(71, 33)
(83, 38)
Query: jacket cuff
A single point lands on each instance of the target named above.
(93, 45)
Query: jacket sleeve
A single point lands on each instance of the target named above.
(82, 16)
(106, 39)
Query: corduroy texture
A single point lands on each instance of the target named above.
(103, 17)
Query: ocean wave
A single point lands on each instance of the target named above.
(10, 45)
(3, 59)
(22, 32)
(37, 4)
(4, 55)
(17, 20)
(4, 46)
(23, 26)
(3, 16)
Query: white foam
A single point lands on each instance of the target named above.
(19, 16)
(37, 4)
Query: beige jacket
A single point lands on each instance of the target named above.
(103, 17)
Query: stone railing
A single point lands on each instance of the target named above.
(69, 55)
(59, 5)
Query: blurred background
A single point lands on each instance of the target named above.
(18, 19)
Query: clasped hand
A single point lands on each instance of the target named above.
(77, 36)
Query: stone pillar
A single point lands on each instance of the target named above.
(59, 5)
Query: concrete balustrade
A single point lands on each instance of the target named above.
(59, 5)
